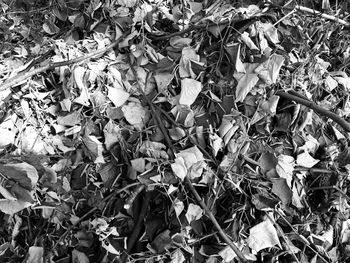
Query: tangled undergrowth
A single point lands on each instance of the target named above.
(174, 131)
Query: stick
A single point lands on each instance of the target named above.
(22, 77)
(134, 236)
(329, 17)
(223, 235)
(342, 122)
(212, 218)
(248, 21)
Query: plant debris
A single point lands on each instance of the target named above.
(174, 131)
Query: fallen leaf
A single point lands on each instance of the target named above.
(245, 85)
(117, 96)
(306, 160)
(112, 133)
(35, 255)
(194, 212)
(81, 82)
(248, 41)
(178, 207)
(79, 257)
(95, 148)
(263, 235)
(11, 207)
(177, 256)
(135, 114)
(190, 89)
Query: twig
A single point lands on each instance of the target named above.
(228, 241)
(155, 113)
(329, 17)
(289, 14)
(282, 235)
(22, 77)
(343, 123)
(248, 21)
(222, 234)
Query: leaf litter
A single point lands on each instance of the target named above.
(174, 131)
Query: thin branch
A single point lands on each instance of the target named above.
(212, 218)
(326, 16)
(200, 26)
(22, 77)
(342, 122)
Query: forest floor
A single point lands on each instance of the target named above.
(174, 131)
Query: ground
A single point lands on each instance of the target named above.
(174, 131)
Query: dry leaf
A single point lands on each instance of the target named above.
(263, 235)
(135, 114)
(190, 89)
(245, 85)
(117, 96)
(95, 148)
(79, 257)
(194, 212)
(35, 255)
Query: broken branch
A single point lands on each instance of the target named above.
(342, 122)
(329, 17)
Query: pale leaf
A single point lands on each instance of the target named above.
(25, 169)
(80, 81)
(117, 96)
(138, 164)
(35, 255)
(194, 212)
(190, 89)
(177, 257)
(330, 83)
(109, 247)
(245, 85)
(135, 114)
(7, 137)
(226, 124)
(269, 70)
(154, 149)
(163, 80)
(263, 235)
(79, 257)
(178, 207)
(285, 167)
(112, 133)
(198, 154)
(182, 42)
(11, 207)
(179, 168)
(247, 40)
(95, 148)
(188, 55)
(215, 143)
(227, 254)
(306, 160)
